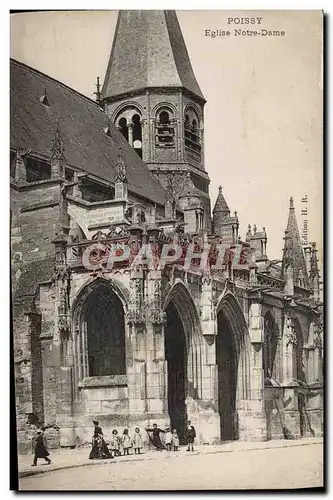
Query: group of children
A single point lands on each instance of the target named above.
(126, 442)
(171, 439)
(101, 450)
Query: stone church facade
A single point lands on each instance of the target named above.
(236, 348)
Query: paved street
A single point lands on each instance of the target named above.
(292, 467)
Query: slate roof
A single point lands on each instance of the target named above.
(148, 51)
(81, 124)
(220, 204)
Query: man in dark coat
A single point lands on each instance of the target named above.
(190, 435)
(99, 447)
(156, 440)
(40, 449)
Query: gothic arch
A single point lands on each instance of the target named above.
(232, 310)
(118, 289)
(185, 305)
(197, 111)
(99, 330)
(161, 106)
(182, 341)
(128, 104)
(232, 356)
(180, 296)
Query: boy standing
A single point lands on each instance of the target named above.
(190, 435)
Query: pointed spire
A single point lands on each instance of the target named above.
(249, 233)
(221, 206)
(98, 92)
(121, 175)
(293, 255)
(57, 146)
(314, 273)
(314, 269)
(291, 203)
(141, 36)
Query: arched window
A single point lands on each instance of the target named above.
(103, 333)
(270, 345)
(137, 134)
(123, 127)
(165, 130)
(164, 118)
(129, 124)
(191, 131)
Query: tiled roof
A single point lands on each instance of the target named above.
(81, 123)
(148, 51)
(220, 204)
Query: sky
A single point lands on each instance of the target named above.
(263, 117)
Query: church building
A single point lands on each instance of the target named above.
(237, 348)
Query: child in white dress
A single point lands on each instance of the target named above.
(137, 441)
(168, 439)
(126, 441)
(175, 440)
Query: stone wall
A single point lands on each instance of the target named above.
(37, 217)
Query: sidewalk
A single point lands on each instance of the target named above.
(67, 459)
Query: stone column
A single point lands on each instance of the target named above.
(136, 348)
(209, 418)
(288, 342)
(290, 410)
(157, 396)
(208, 414)
(65, 419)
(20, 169)
(130, 134)
(314, 404)
(252, 418)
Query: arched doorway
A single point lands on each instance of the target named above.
(226, 360)
(232, 351)
(176, 357)
(182, 336)
(101, 343)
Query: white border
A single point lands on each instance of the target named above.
(326, 5)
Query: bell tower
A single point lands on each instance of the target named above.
(151, 94)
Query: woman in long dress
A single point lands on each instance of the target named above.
(99, 447)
